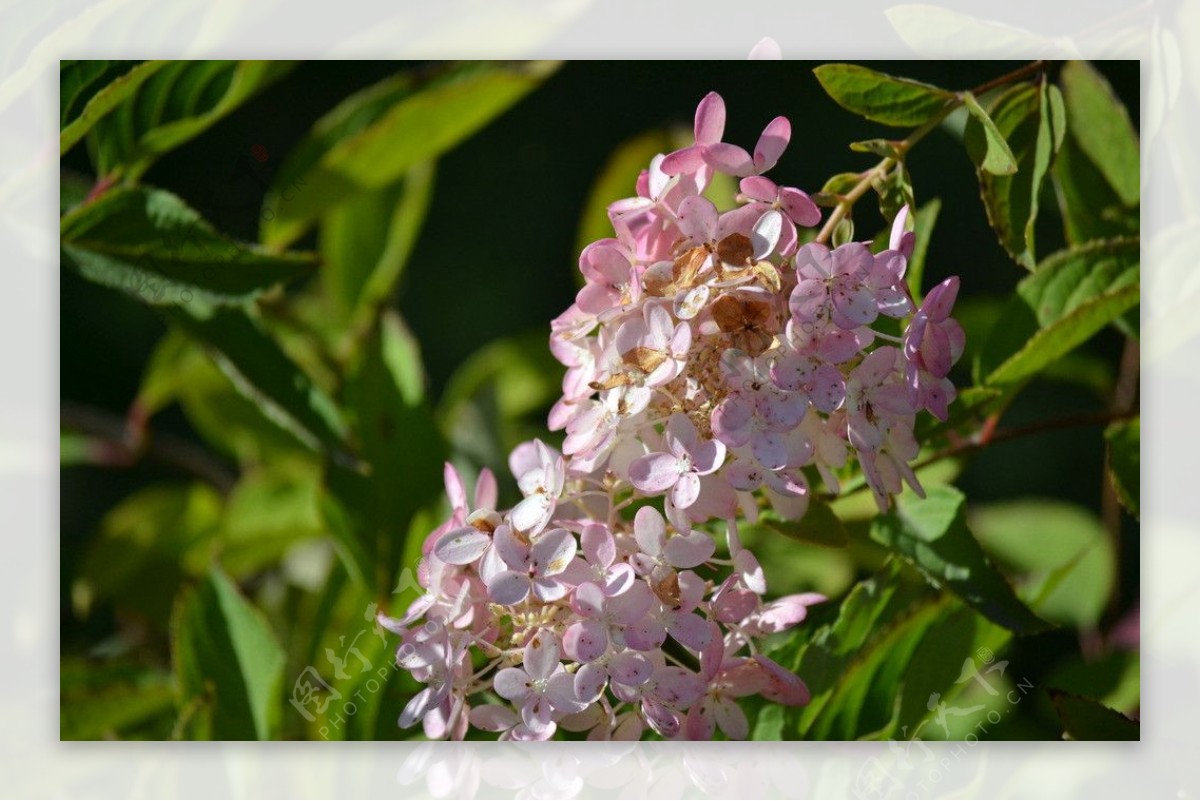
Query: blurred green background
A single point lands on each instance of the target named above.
(494, 261)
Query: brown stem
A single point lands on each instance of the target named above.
(846, 202)
(1017, 432)
(128, 445)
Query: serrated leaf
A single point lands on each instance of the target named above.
(1090, 208)
(1099, 123)
(376, 136)
(882, 98)
(151, 245)
(91, 89)
(1070, 297)
(228, 664)
(1125, 462)
(264, 374)
(1085, 719)
(1028, 123)
(984, 142)
(932, 535)
(178, 102)
(819, 526)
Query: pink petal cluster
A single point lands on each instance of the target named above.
(581, 618)
(713, 354)
(714, 360)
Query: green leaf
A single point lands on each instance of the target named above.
(228, 664)
(1061, 555)
(147, 545)
(91, 89)
(1089, 206)
(366, 240)
(151, 245)
(895, 192)
(403, 450)
(932, 534)
(98, 702)
(272, 508)
(1085, 719)
(819, 526)
(178, 102)
(1125, 462)
(863, 617)
(882, 98)
(1012, 158)
(376, 136)
(884, 148)
(926, 219)
(985, 143)
(1073, 294)
(1099, 123)
(617, 179)
(264, 374)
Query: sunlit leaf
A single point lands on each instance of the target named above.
(264, 374)
(1125, 462)
(932, 534)
(1012, 159)
(90, 89)
(1099, 123)
(882, 98)
(1059, 553)
(1073, 294)
(984, 141)
(228, 664)
(376, 136)
(178, 102)
(151, 245)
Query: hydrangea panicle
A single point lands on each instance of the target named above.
(718, 362)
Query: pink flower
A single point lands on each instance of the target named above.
(933, 342)
(757, 412)
(680, 467)
(533, 568)
(540, 475)
(875, 400)
(708, 129)
(797, 207)
(541, 688)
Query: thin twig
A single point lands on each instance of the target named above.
(129, 446)
(880, 170)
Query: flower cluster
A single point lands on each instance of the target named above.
(713, 358)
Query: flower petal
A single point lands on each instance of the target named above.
(771, 144)
(541, 655)
(461, 546)
(630, 668)
(655, 472)
(585, 640)
(691, 550)
(512, 684)
(508, 587)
